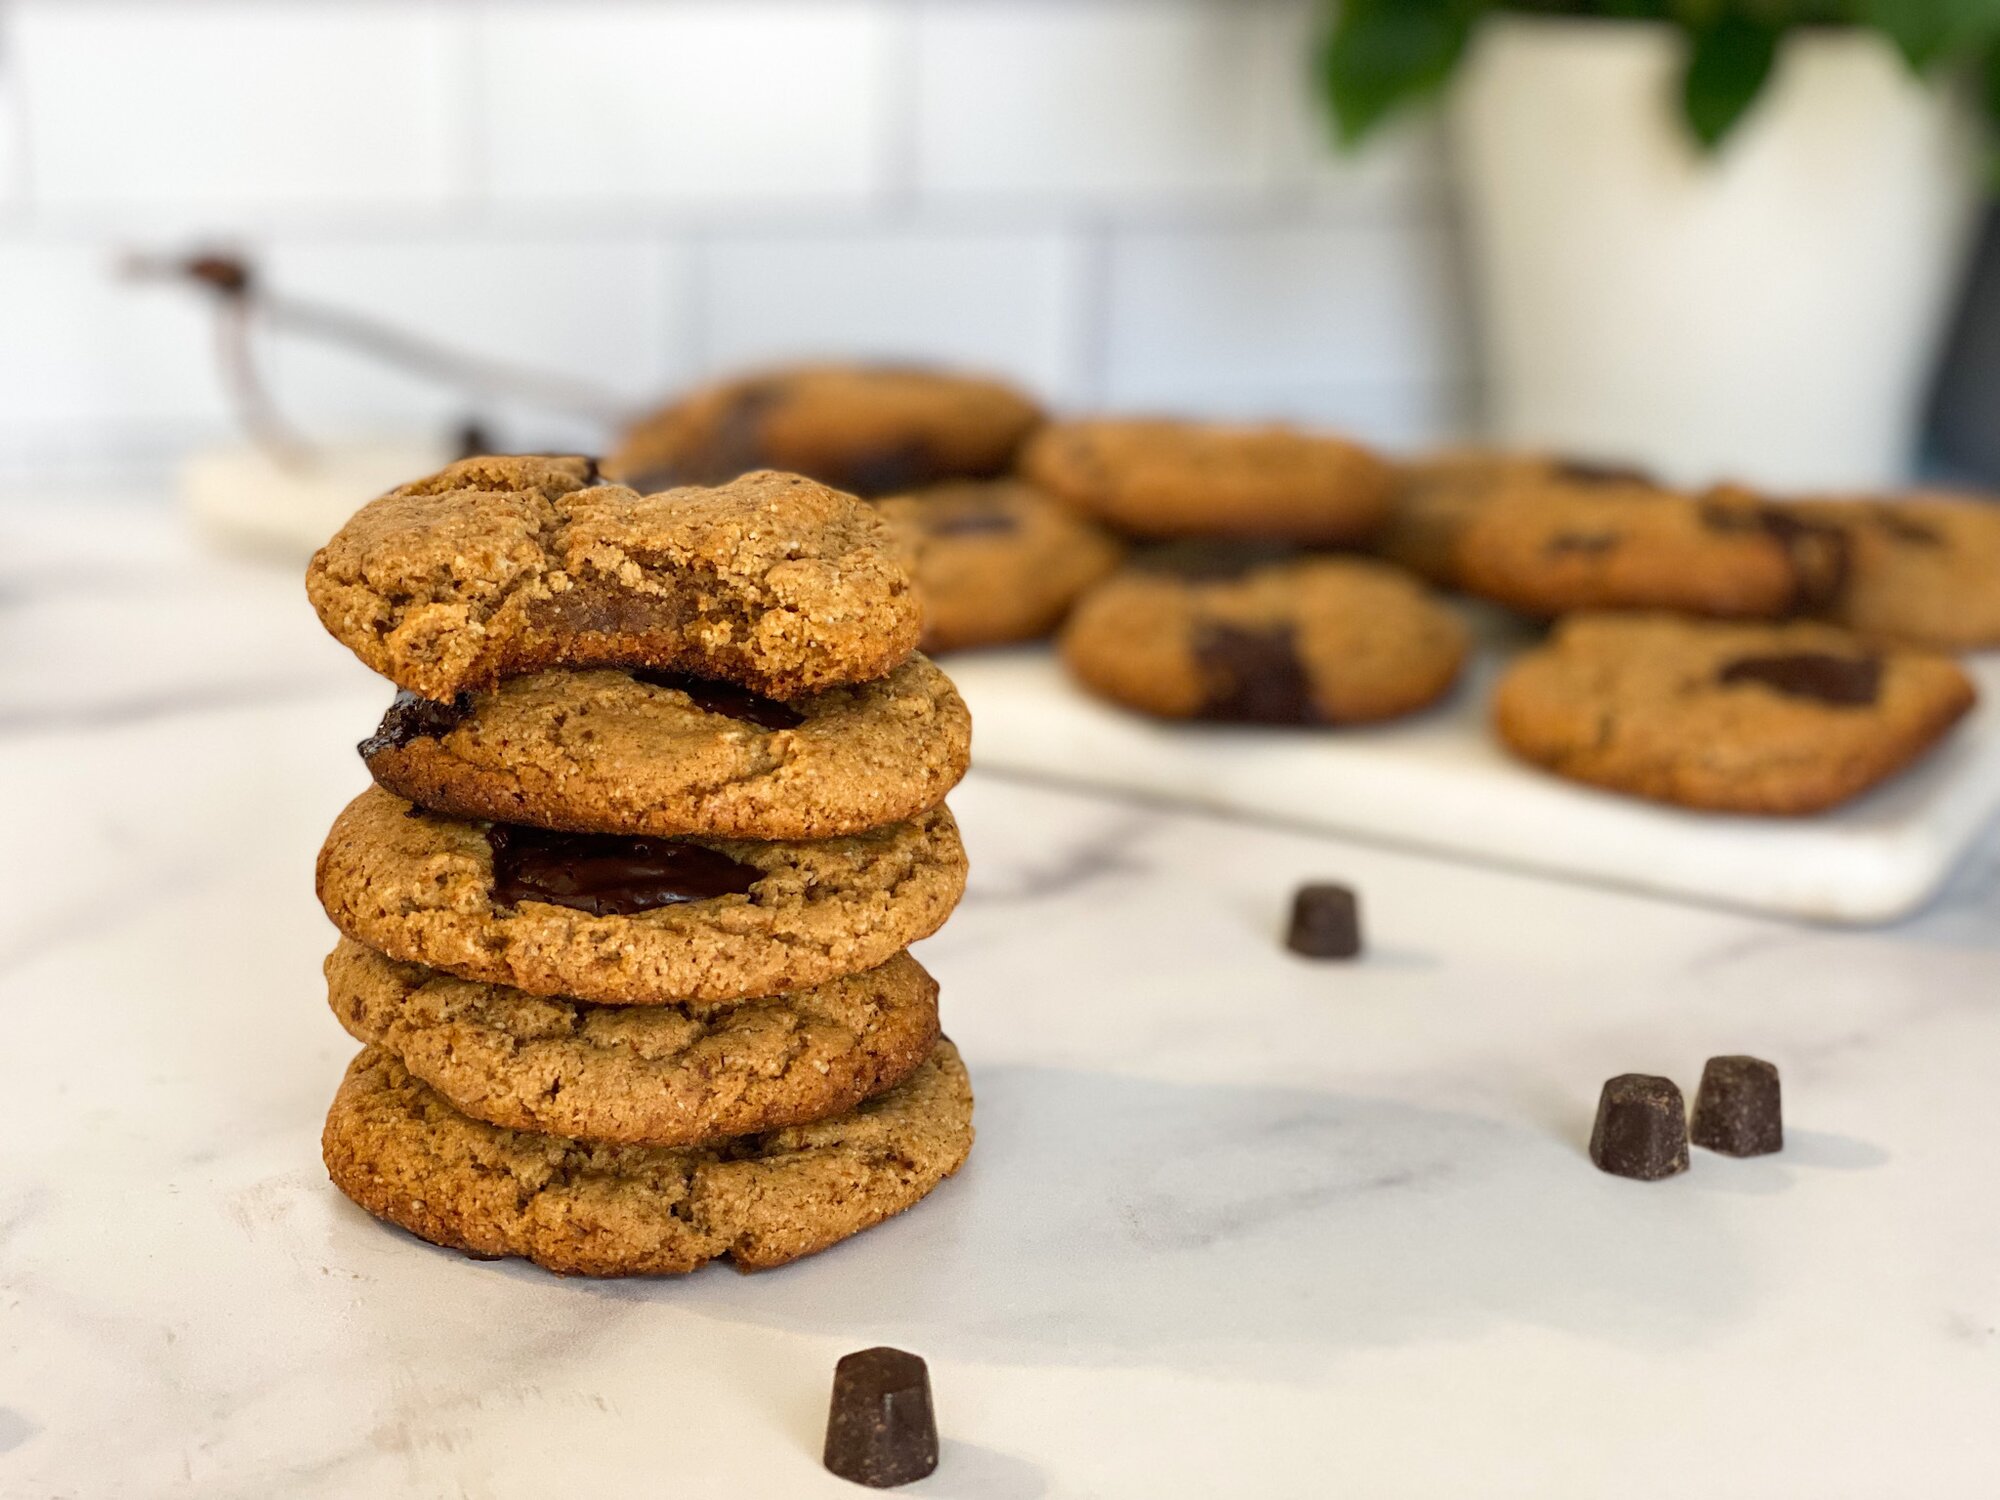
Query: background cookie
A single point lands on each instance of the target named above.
(996, 562)
(639, 1074)
(1738, 718)
(1165, 479)
(1548, 549)
(1922, 568)
(1438, 494)
(1232, 633)
(501, 566)
(766, 917)
(643, 752)
(397, 1148)
(867, 429)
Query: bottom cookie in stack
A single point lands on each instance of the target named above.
(624, 1140)
(396, 1147)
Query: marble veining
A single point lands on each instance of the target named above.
(1236, 1223)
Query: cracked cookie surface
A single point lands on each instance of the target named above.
(420, 887)
(617, 752)
(399, 1150)
(1165, 479)
(639, 1074)
(996, 563)
(1779, 719)
(1225, 633)
(868, 429)
(496, 567)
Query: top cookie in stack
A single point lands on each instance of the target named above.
(657, 812)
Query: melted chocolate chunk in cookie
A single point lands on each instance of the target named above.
(727, 699)
(1818, 552)
(1846, 681)
(412, 718)
(606, 875)
(1254, 675)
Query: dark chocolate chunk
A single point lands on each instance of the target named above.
(1215, 561)
(1253, 675)
(1586, 471)
(727, 699)
(1326, 922)
(880, 1428)
(1846, 681)
(1641, 1128)
(1737, 1110)
(968, 521)
(1583, 543)
(1817, 552)
(608, 875)
(412, 718)
(1904, 529)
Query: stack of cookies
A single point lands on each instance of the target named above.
(657, 812)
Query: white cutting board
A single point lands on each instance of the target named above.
(1439, 781)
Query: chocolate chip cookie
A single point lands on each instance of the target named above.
(1548, 549)
(1212, 631)
(1922, 568)
(635, 751)
(649, 1075)
(398, 1148)
(1166, 479)
(502, 566)
(624, 921)
(1438, 494)
(867, 429)
(1783, 719)
(996, 562)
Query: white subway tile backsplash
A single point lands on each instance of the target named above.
(998, 301)
(1115, 101)
(1400, 165)
(607, 315)
(599, 315)
(83, 346)
(1274, 308)
(707, 100)
(220, 102)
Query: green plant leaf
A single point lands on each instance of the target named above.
(1928, 31)
(1383, 54)
(1729, 61)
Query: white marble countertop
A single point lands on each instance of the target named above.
(1236, 1224)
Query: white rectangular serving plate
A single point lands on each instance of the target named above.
(1440, 782)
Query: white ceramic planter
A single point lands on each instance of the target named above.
(1771, 313)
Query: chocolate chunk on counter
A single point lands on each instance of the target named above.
(1737, 1110)
(608, 875)
(1326, 922)
(1843, 681)
(880, 1429)
(1641, 1128)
